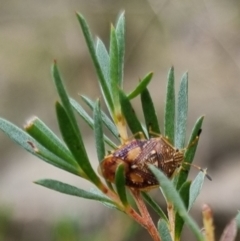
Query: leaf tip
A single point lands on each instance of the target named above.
(30, 122)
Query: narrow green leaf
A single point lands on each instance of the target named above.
(85, 116)
(120, 184)
(107, 204)
(75, 146)
(173, 197)
(43, 135)
(114, 70)
(195, 188)
(89, 120)
(129, 114)
(190, 152)
(154, 206)
(73, 191)
(65, 100)
(164, 230)
(182, 111)
(106, 120)
(169, 115)
(71, 122)
(142, 85)
(54, 160)
(91, 48)
(31, 145)
(149, 112)
(103, 60)
(120, 34)
(179, 222)
(99, 140)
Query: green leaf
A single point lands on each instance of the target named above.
(195, 188)
(91, 48)
(154, 206)
(190, 152)
(107, 204)
(71, 123)
(114, 71)
(173, 197)
(120, 34)
(120, 184)
(129, 114)
(182, 111)
(238, 219)
(164, 230)
(106, 120)
(169, 115)
(43, 135)
(103, 60)
(31, 145)
(89, 120)
(74, 144)
(179, 222)
(51, 158)
(65, 100)
(149, 112)
(98, 132)
(73, 191)
(142, 85)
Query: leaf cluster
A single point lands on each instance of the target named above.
(70, 153)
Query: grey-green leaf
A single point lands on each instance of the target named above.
(106, 120)
(98, 131)
(173, 197)
(43, 135)
(142, 85)
(182, 111)
(120, 34)
(164, 230)
(31, 145)
(114, 70)
(89, 119)
(91, 48)
(73, 191)
(179, 222)
(195, 189)
(103, 60)
(169, 115)
(238, 219)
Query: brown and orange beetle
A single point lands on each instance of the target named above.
(136, 154)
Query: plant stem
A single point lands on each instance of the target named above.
(148, 222)
(208, 222)
(171, 216)
(121, 126)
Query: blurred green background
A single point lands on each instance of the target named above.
(201, 37)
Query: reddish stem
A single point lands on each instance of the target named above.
(148, 222)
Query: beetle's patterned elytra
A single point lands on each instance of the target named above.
(136, 154)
